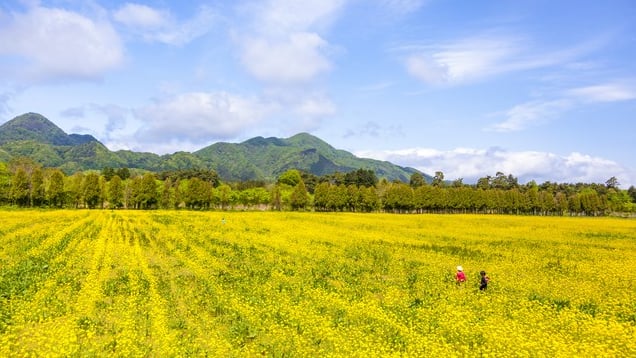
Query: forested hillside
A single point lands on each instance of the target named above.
(33, 136)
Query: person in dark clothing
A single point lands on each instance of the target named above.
(483, 284)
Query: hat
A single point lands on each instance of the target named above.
(459, 268)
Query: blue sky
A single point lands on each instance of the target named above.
(542, 90)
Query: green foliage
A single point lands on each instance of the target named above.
(90, 190)
(37, 187)
(5, 184)
(299, 199)
(267, 158)
(290, 177)
(115, 192)
(20, 188)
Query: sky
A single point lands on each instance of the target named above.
(543, 90)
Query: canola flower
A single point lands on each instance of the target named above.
(180, 283)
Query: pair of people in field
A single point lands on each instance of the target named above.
(460, 278)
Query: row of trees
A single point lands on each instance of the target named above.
(24, 184)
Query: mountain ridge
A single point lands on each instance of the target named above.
(33, 135)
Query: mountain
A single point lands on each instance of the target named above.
(269, 157)
(35, 127)
(34, 136)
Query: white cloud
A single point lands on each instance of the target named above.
(482, 56)
(54, 44)
(276, 18)
(607, 92)
(317, 106)
(464, 60)
(283, 42)
(141, 16)
(531, 113)
(155, 25)
(298, 58)
(472, 164)
(198, 117)
(537, 112)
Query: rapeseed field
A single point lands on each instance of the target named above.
(279, 284)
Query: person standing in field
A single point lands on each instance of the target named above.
(460, 276)
(483, 284)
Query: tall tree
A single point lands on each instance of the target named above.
(38, 193)
(417, 180)
(73, 188)
(5, 184)
(123, 173)
(115, 192)
(276, 198)
(148, 194)
(167, 194)
(90, 190)
(290, 177)
(438, 179)
(370, 201)
(55, 192)
(632, 193)
(321, 196)
(108, 173)
(299, 198)
(20, 187)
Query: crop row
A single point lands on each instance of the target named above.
(171, 283)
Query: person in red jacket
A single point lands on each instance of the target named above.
(460, 277)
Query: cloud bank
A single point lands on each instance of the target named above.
(55, 44)
(472, 164)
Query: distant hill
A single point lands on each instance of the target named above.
(35, 127)
(34, 136)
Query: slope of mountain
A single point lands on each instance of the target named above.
(32, 135)
(269, 157)
(35, 127)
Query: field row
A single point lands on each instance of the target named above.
(179, 283)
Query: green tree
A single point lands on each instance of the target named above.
(361, 177)
(38, 192)
(5, 184)
(148, 194)
(224, 193)
(20, 188)
(133, 191)
(483, 183)
(167, 194)
(399, 198)
(299, 199)
(116, 192)
(123, 173)
(321, 195)
(438, 179)
(612, 183)
(370, 201)
(290, 177)
(632, 193)
(276, 198)
(108, 173)
(90, 190)
(55, 192)
(417, 180)
(73, 189)
(337, 198)
(197, 194)
(561, 203)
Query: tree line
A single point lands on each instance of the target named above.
(25, 184)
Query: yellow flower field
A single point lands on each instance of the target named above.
(243, 284)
